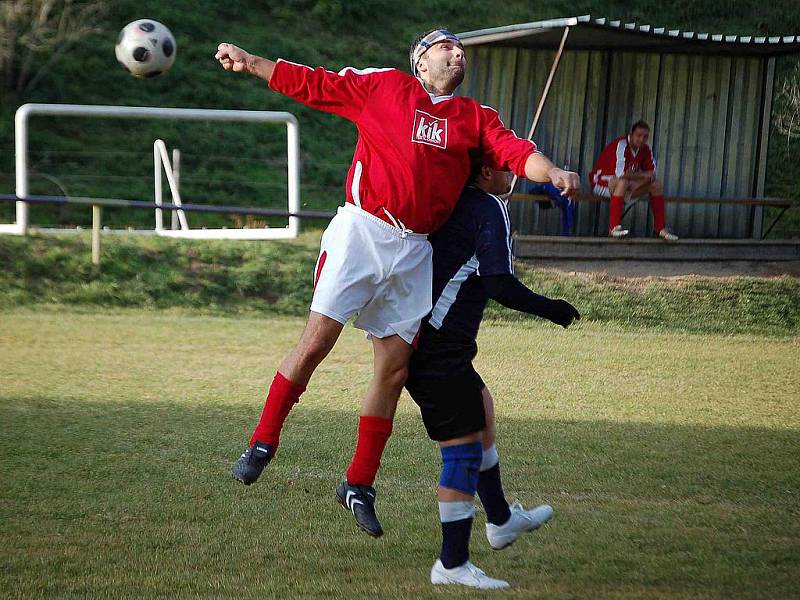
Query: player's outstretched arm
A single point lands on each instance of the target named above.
(233, 58)
(540, 168)
(512, 293)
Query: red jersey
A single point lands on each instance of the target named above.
(414, 150)
(618, 158)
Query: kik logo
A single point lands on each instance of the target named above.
(429, 130)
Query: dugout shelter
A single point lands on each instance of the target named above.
(707, 97)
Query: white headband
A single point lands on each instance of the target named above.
(434, 37)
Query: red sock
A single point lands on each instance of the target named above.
(283, 395)
(373, 433)
(615, 213)
(657, 205)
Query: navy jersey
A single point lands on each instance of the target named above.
(475, 241)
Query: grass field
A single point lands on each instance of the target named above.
(671, 460)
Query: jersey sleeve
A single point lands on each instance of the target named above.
(619, 158)
(502, 149)
(344, 93)
(493, 243)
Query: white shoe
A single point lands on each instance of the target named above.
(521, 520)
(467, 574)
(666, 235)
(618, 232)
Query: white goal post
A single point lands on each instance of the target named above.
(26, 111)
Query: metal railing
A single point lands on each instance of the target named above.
(98, 204)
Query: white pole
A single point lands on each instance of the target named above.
(173, 185)
(157, 179)
(97, 211)
(21, 150)
(293, 173)
(176, 171)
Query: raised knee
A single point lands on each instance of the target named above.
(621, 187)
(395, 376)
(656, 187)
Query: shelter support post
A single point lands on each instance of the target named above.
(97, 212)
(545, 92)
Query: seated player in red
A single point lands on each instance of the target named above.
(472, 262)
(412, 159)
(627, 168)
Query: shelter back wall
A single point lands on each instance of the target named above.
(705, 113)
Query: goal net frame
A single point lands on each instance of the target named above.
(21, 225)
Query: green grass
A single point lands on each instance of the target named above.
(670, 459)
(274, 278)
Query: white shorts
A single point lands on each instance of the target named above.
(601, 190)
(369, 267)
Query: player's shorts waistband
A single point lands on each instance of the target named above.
(401, 233)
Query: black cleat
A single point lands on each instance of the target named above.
(360, 500)
(251, 463)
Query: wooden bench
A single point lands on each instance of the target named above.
(780, 203)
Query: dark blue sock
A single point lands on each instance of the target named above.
(455, 543)
(490, 491)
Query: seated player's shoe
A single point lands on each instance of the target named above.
(252, 462)
(666, 235)
(618, 232)
(521, 520)
(360, 500)
(467, 574)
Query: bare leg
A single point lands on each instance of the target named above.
(390, 369)
(391, 356)
(318, 339)
(656, 192)
(644, 187)
(290, 381)
(618, 187)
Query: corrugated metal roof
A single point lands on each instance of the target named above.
(591, 33)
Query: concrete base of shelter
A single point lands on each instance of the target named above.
(638, 257)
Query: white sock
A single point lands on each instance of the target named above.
(456, 511)
(490, 458)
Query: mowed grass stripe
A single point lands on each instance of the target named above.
(671, 461)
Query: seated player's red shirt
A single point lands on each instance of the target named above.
(618, 158)
(413, 154)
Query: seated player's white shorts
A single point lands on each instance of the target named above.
(370, 268)
(601, 190)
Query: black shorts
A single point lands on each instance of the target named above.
(445, 385)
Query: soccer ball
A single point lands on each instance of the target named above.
(145, 48)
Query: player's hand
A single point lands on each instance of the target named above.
(567, 181)
(563, 313)
(233, 58)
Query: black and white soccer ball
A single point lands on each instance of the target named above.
(146, 48)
